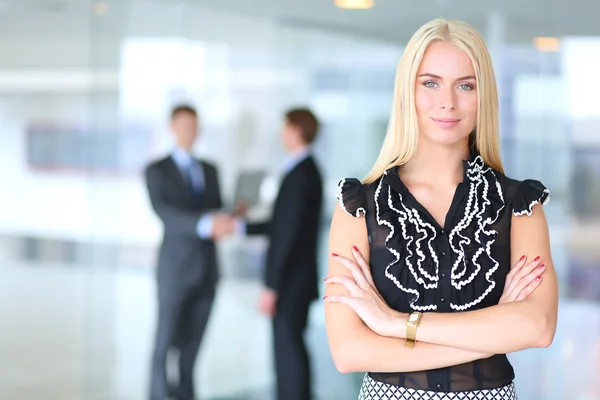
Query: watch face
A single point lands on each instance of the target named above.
(413, 317)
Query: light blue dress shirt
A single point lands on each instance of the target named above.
(189, 166)
(294, 159)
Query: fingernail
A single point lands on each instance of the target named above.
(324, 297)
(542, 266)
(538, 278)
(522, 258)
(334, 254)
(537, 258)
(355, 248)
(325, 280)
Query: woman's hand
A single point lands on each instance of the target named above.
(522, 280)
(364, 298)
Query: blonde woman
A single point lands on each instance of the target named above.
(440, 263)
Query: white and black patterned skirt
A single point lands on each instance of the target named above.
(375, 390)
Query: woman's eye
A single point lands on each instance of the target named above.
(466, 87)
(430, 84)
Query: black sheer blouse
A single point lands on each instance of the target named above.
(418, 265)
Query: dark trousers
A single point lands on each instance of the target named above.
(291, 357)
(182, 320)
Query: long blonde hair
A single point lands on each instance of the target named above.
(400, 141)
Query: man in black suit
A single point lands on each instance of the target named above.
(185, 194)
(291, 270)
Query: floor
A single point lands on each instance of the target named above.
(85, 334)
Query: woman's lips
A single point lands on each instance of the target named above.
(446, 122)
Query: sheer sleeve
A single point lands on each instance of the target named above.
(350, 194)
(529, 193)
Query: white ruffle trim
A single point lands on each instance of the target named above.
(529, 210)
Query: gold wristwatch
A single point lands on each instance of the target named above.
(411, 329)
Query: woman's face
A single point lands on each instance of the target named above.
(446, 95)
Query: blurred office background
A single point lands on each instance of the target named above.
(85, 91)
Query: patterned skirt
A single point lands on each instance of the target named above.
(375, 390)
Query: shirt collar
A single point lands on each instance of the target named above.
(293, 160)
(473, 166)
(182, 157)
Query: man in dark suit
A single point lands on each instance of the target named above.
(185, 194)
(291, 270)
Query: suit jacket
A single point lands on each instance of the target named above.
(184, 259)
(291, 268)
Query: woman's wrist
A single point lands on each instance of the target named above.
(397, 325)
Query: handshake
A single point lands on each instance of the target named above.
(225, 224)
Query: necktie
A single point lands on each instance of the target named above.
(189, 178)
(193, 181)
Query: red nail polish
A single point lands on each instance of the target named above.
(355, 248)
(522, 258)
(325, 280)
(334, 254)
(537, 258)
(542, 266)
(538, 278)
(324, 297)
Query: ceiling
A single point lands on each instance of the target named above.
(396, 20)
(390, 20)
